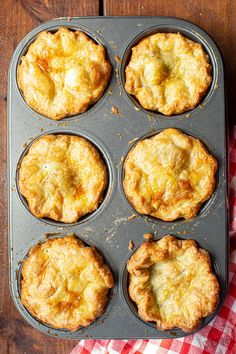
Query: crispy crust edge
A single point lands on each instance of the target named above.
(130, 78)
(23, 190)
(142, 260)
(106, 77)
(139, 207)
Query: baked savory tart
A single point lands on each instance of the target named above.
(63, 73)
(169, 176)
(65, 284)
(172, 283)
(62, 177)
(168, 73)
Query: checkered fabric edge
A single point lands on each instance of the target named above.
(219, 337)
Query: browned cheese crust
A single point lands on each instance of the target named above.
(168, 73)
(172, 283)
(62, 177)
(63, 73)
(169, 176)
(65, 284)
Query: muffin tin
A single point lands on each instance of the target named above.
(114, 224)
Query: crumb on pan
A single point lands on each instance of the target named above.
(132, 141)
(115, 110)
(113, 45)
(131, 245)
(148, 236)
(51, 234)
(120, 163)
(132, 217)
(63, 124)
(117, 59)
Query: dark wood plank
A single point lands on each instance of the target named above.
(19, 17)
(16, 19)
(216, 17)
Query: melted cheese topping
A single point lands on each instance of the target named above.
(63, 73)
(168, 73)
(169, 175)
(172, 283)
(62, 177)
(65, 284)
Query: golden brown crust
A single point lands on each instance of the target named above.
(63, 73)
(62, 177)
(172, 283)
(168, 73)
(65, 283)
(169, 176)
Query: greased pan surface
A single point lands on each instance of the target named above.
(109, 229)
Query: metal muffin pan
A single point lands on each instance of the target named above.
(109, 228)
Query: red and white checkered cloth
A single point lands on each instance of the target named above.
(219, 337)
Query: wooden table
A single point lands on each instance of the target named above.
(19, 17)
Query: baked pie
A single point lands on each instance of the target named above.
(168, 73)
(63, 73)
(65, 283)
(169, 175)
(62, 177)
(172, 283)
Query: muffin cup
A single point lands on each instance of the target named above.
(133, 307)
(106, 194)
(188, 33)
(73, 26)
(205, 207)
(47, 327)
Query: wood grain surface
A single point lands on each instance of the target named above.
(19, 17)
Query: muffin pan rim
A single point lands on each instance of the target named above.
(204, 209)
(145, 22)
(124, 276)
(211, 50)
(111, 295)
(107, 194)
